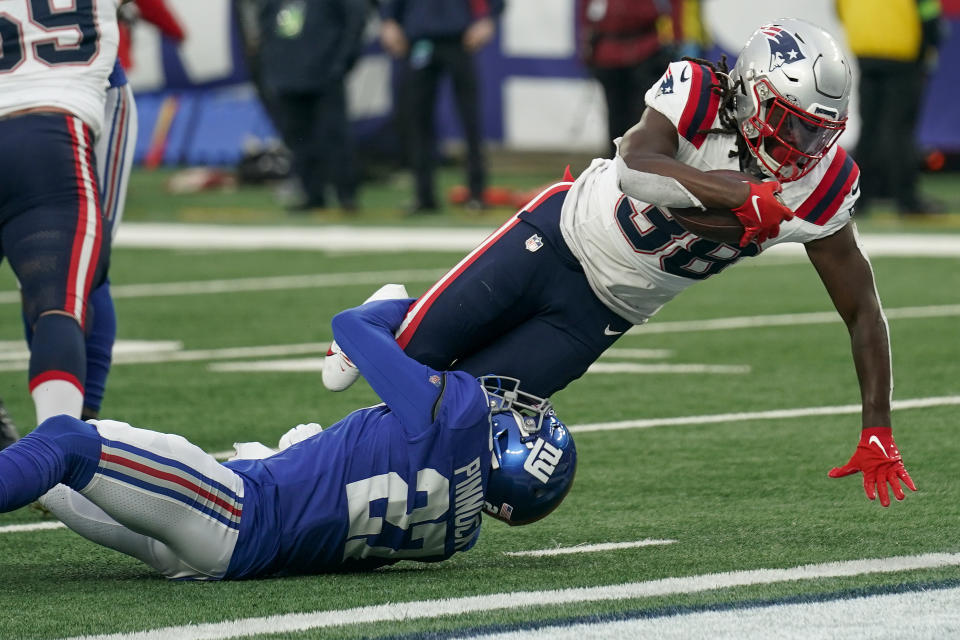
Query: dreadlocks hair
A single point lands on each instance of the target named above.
(727, 91)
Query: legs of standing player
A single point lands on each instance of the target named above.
(52, 235)
(114, 153)
(465, 92)
(423, 76)
(153, 496)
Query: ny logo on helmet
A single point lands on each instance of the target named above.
(783, 47)
(543, 460)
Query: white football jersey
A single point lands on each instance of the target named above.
(636, 257)
(57, 53)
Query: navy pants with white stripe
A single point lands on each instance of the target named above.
(153, 496)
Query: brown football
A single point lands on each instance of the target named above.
(719, 225)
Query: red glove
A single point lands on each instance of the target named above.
(761, 213)
(877, 456)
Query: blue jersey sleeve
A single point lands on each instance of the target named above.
(366, 335)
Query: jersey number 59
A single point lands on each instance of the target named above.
(72, 35)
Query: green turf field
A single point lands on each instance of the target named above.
(733, 494)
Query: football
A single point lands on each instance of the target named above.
(719, 225)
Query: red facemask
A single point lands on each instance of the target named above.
(791, 141)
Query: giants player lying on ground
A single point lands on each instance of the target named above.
(559, 282)
(406, 479)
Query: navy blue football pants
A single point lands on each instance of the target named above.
(51, 231)
(519, 305)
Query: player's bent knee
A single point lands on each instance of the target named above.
(63, 425)
(78, 442)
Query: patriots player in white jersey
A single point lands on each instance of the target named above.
(53, 75)
(407, 479)
(587, 259)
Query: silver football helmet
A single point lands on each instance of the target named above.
(792, 88)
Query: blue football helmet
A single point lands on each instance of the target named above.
(534, 458)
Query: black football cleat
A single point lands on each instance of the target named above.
(8, 430)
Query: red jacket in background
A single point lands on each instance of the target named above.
(156, 13)
(620, 33)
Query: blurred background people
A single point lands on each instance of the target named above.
(306, 49)
(155, 12)
(626, 45)
(437, 38)
(895, 42)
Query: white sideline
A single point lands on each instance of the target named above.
(427, 609)
(918, 614)
(343, 238)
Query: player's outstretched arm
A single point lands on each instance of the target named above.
(366, 335)
(848, 278)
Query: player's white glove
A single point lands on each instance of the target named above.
(298, 434)
(250, 451)
(338, 371)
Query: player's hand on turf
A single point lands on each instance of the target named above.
(879, 459)
(761, 213)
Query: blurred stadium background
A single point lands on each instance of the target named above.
(197, 106)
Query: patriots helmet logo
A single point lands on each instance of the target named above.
(667, 85)
(784, 48)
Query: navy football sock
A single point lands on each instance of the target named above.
(57, 346)
(62, 449)
(99, 341)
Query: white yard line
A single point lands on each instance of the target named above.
(787, 319)
(316, 364)
(229, 353)
(588, 548)
(637, 354)
(630, 367)
(33, 526)
(429, 609)
(272, 283)
(775, 414)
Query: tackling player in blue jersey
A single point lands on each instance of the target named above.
(407, 479)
